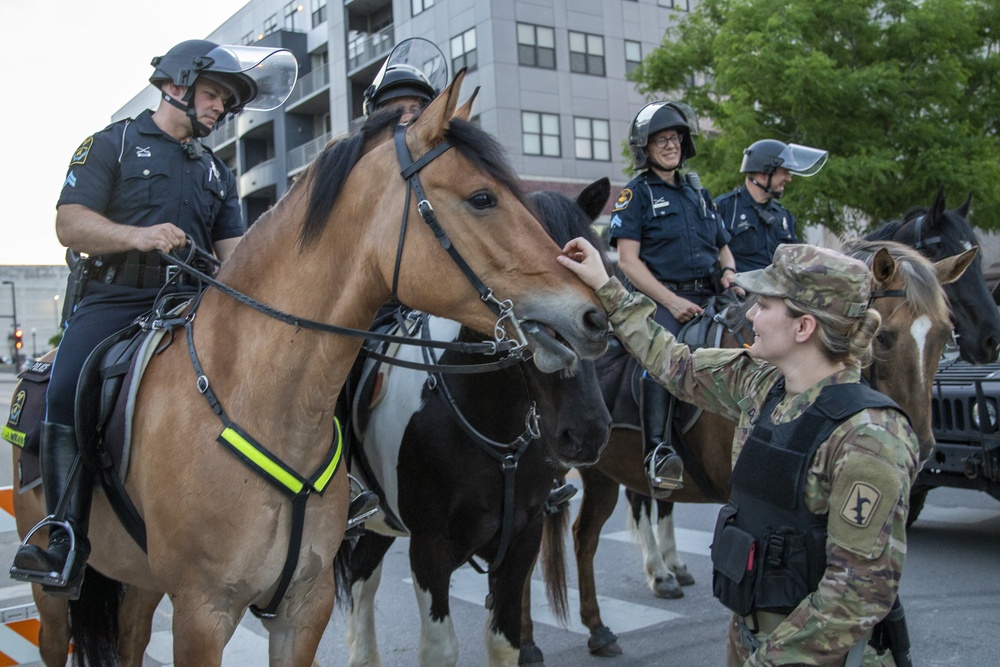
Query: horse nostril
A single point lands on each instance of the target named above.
(595, 320)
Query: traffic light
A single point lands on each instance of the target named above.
(18, 339)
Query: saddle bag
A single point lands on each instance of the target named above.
(27, 407)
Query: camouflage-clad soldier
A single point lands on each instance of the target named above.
(810, 549)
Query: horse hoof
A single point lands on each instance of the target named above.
(530, 656)
(667, 589)
(603, 643)
(684, 577)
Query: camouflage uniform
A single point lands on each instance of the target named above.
(873, 450)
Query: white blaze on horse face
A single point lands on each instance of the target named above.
(438, 643)
(402, 400)
(919, 329)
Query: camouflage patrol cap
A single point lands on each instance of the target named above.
(817, 278)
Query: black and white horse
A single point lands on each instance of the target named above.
(465, 463)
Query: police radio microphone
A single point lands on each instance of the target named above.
(695, 182)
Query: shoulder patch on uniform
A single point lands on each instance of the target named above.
(865, 494)
(623, 200)
(80, 156)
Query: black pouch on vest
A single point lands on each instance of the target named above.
(27, 407)
(734, 564)
(784, 558)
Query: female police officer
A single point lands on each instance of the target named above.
(134, 189)
(809, 551)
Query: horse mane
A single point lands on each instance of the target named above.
(923, 291)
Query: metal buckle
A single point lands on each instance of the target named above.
(171, 271)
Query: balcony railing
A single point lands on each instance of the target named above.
(221, 135)
(258, 177)
(300, 156)
(367, 47)
(308, 84)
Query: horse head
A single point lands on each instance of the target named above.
(477, 199)
(938, 233)
(907, 292)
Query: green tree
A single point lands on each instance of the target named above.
(905, 94)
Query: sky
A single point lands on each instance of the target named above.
(70, 64)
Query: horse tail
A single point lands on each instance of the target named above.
(553, 557)
(342, 572)
(94, 620)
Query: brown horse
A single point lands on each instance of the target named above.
(218, 535)
(915, 328)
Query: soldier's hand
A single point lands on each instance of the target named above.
(163, 237)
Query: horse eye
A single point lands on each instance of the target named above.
(885, 338)
(483, 200)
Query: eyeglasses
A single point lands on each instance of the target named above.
(661, 142)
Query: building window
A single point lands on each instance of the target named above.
(318, 9)
(249, 38)
(271, 24)
(536, 46)
(540, 134)
(593, 139)
(586, 53)
(291, 10)
(633, 55)
(463, 51)
(680, 5)
(419, 6)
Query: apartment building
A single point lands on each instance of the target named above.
(552, 78)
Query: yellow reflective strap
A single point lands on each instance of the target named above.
(261, 460)
(17, 437)
(324, 479)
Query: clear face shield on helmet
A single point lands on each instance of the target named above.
(415, 55)
(273, 70)
(803, 160)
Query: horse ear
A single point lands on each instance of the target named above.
(594, 197)
(950, 269)
(883, 266)
(963, 210)
(465, 111)
(432, 123)
(939, 206)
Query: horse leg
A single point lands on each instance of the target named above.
(431, 566)
(530, 654)
(659, 578)
(294, 634)
(135, 623)
(507, 584)
(600, 495)
(668, 543)
(202, 626)
(366, 574)
(53, 634)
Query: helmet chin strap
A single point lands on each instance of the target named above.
(654, 163)
(768, 189)
(198, 129)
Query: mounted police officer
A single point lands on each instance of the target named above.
(809, 550)
(137, 188)
(756, 222)
(670, 240)
(413, 75)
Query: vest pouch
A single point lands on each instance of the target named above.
(734, 565)
(27, 407)
(784, 562)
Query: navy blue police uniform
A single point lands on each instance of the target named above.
(756, 230)
(133, 173)
(679, 234)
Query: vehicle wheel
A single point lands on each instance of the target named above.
(918, 496)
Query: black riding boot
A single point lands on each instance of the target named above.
(663, 466)
(60, 567)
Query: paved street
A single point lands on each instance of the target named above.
(951, 590)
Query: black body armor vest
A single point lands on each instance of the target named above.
(769, 551)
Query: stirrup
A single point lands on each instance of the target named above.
(364, 503)
(665, 471)
(559, 497)
(53, 578)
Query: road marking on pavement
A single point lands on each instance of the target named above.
(245, 649)
(695, 542)
(470, 586)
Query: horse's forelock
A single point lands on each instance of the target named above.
(923, 290)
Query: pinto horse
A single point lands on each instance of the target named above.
(466, 463)
(915, 328)
(218, 534)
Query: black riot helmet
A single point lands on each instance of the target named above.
(256, 77)
(766, 155)
(415, 68)
(656, 117)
